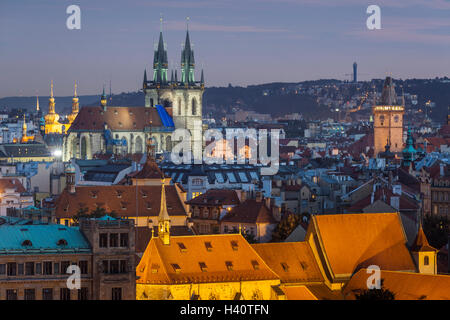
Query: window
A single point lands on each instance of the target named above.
(47, 294)
(64, 294)
(29, 268)
(83, 264)
(48, 267)
(20, 269)
(285, 266)
(103, 240)
(2, 268)
(114, 240)
(12, 268)
(208, 246)
(124, 239)
(116, 294)
(123, 266)
(11, 294)
(29, 294)
(114, 266)
(229, 265)
(64, 266)
(38, 268)
(234, 245)
(83, 293)
(182, 246)
(176, 268)
(426, 260)
(396, 118)
(203, 266)
(255, 265)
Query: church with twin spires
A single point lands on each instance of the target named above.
(169, 104)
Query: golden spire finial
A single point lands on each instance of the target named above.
(37, 103)
(161, 21)
(75, 92)
(51, 89)
(240, 229)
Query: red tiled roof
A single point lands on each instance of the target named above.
(13, 183)
(250, 211)
(216, 197)
(121, 199)
(117, 118)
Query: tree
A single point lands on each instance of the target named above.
(436, 229)
(285, 227)
(376, 294)
(96, 213)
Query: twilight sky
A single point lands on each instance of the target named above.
(236, 41)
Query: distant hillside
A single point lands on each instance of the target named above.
(273, 98)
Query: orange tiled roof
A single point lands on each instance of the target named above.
(291, 261)
(157, 263)
(298, 293)
(405, 285)
(352, 241)
(121, 199)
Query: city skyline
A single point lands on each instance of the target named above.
(249, 43)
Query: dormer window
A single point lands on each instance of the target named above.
(62, 242)
(176, 267)
(255, 265)
(234, 245)
(203, 266)
(182, 247)
(27, 243)
(155, 268)
(229, 265)
(119, 193)
(94, 194)
(285, 266)
(208, 246)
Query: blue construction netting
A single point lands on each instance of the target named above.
(165, 118)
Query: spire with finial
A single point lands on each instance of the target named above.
(144, 83)
(37, 103)
(202, 80)
(163, 217)
(187, 61)
(51, 100)
(160, 64)
(75, 106)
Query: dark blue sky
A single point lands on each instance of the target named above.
(238, 42)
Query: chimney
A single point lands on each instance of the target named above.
(242, 195)
(258, 196)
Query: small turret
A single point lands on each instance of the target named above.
(103, 99)
(70, 178)
(424, 254)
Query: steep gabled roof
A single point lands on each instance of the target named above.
(421, 242)
(352, 241)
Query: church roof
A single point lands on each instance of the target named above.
(405, 285)
(200, 259)
(421, 242)
(118, 118)
(352, 241)
(121, 199)
(291, 261)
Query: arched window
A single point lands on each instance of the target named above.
(83, 148)
(396, 118)
(194, 107)
(426, 260)
(179, 106)
(382, 119)
(138, 144)
(74, 148)
(169, 143)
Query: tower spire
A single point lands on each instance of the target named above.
(163, 218)
(160, 64)
(37, 103)
(75, 90)
(103, 98)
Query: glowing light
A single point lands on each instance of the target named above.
(57, 153)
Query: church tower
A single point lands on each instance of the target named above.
(184, 97)
(51, 119)
(75, 106)
(424, 255)
(388, 120)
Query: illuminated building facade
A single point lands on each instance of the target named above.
(388, 120)
(52, 124)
